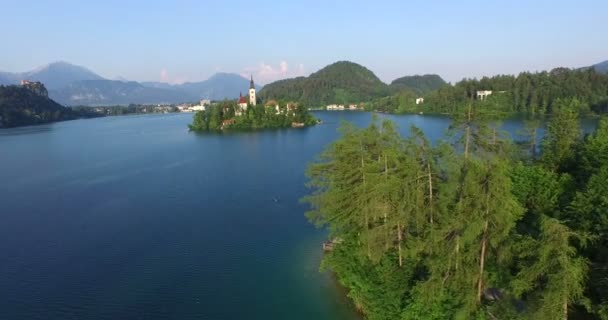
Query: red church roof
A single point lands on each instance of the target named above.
(242, 99)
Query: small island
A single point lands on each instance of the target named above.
(247, 114)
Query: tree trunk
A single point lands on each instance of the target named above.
(428, 168)
(457, 253)
(565, 308)
(467, 134)
(386, 206)
(482, 260)
(467, 131)
(399, 239)
(366, 213)
(484, 240)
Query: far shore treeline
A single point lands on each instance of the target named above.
(530, 93)
(534, 94)
(473, 227)
(347, 83)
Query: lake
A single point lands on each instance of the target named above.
(134, 217)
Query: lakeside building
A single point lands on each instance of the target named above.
(35, 86)
(342, 107)
(419, 100)
(202, 106)
(483, 94)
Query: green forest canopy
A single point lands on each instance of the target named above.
(531, 93)
(223, 115)
(20, 106)
(469, 229)
(418, 84)
(339, 83)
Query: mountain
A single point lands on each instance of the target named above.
(55, 75)
(218, 87)
(601, 67)
(111, 92)
(21, 106)
(60, 74)
(75, 85)
(8, 78)
(342, 82)
(158, 85)
(418, 84)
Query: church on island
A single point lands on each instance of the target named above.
(242, 102)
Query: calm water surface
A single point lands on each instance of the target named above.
(136, 218)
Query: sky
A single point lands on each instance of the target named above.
(178, 41)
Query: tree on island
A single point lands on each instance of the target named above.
(229, 115)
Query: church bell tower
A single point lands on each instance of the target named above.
(252, 92)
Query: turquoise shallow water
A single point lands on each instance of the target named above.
(134, 217)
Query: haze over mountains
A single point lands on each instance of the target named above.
(73, 85)
(341, 82)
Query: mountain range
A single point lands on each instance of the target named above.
(341, 82)
(73, 85)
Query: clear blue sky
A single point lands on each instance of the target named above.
(190, 40)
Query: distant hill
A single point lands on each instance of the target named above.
(55, 75)
(218, 87)
(20, 106)
(601, 67)
(420, 84)
(111, 92)
(342, 82)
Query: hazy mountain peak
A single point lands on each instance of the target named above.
(601, 67)
(59, 74)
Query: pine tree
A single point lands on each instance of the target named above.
(555, 280)
(563, 133)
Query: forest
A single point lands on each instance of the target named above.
(418, 84)
(21, 106)
(342, 82)
(224, 115)
(530, 93)
(472, 227)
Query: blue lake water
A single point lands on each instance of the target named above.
(134, 217)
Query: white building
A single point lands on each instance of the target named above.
(483, 94)
(341, 107)
(419, 100)
(242, 103)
